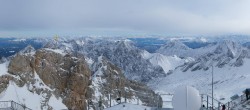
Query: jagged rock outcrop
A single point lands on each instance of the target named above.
(109, 79)
(67, 76)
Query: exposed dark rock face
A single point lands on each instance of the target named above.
(67, 75)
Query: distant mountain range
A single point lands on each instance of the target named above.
(125, 64)
(10, 46)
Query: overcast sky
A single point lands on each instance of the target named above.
(78, 17)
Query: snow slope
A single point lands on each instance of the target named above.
(166, 62)
(228, 81)
(127, 106)
(243, 106)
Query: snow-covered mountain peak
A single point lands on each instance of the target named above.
(175, 48)
(229, 48)
(226, 53)
(28, 50)
(176, 45)
(166, 62)
(126, 44)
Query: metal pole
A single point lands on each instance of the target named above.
(109, 99)
(125, 97)
(207, 101)
(88, 103)
(212, 86)
(201, 99)
(218, 105)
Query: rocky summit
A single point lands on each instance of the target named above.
(67, 77)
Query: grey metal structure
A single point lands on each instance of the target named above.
(11, 105)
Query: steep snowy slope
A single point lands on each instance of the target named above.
(166, 62)
(231, 72)
(227, 81)
(174, 48)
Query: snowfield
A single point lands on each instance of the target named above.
(228, 81)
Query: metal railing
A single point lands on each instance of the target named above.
(12, 105)
(207, 100)
(111, 101)
(234, 103)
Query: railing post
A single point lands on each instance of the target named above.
(218, 105)
(125, 97)
(241, 98)
(110, 100)
(137, 101)
(201, 100)
(207, 101)
(11, 104)
(88, 104)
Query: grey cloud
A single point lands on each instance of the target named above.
(151, 16)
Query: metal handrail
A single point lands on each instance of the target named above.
(14, 105)
(229, 105)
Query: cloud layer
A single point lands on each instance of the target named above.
(149, 16)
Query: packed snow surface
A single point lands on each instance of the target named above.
(127, 106)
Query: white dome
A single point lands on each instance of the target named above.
(186, 98)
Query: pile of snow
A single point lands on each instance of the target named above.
(127, 106)
(59, 51)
